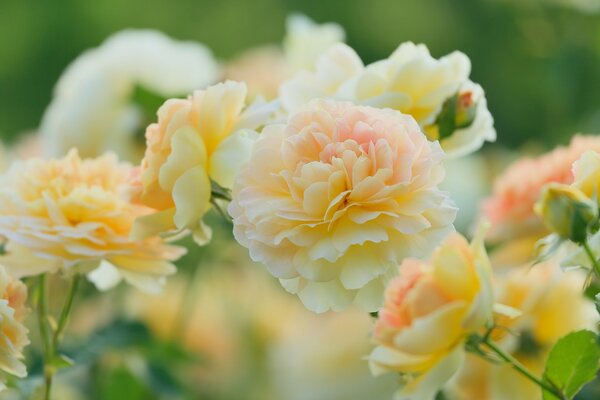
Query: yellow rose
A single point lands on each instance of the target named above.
(195, 140)
(430, 309)
(551, 304)
(71, 213)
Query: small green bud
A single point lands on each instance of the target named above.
(567, 212)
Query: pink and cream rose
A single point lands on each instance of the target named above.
(335, 199)
(430, 310)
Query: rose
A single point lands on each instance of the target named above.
(335, 199)
(430, 309)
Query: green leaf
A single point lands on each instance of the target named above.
(572, 362)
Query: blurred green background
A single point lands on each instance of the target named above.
(538, 60)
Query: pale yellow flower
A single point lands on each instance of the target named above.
(436, 92)
(305, 40)
(13, 333)
(93, 108)
(196, 140)
(551, 304)
(335, 199)
(65, 213)
(430, 309)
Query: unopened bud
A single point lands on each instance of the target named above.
(567, 212)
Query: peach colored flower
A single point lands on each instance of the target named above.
(195, 140)
(65, 213)
(429, 311)
(510, 206)
(410, 81)
(335, 199)
(13, 333)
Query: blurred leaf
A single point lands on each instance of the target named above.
(572, 362)
(61, 361)
(121, 384)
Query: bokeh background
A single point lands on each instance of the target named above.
(538, 60)
(224, 330)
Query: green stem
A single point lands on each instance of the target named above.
(51, 341)
(517, 366)
(592, 257)
(42, 310)
(66, 311)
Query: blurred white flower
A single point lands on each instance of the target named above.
(92, 108)
(264, 68)
(306, 40)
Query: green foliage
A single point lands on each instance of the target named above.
(573, 362)
(121, 384)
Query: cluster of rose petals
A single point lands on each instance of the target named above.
(510, 206)
(333, 200)
(13, 333)
(429, 311)
(61, 213)
(203, 138)
(410, 81)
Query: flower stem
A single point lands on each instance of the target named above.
(42, 310)
(592, 257)
(51, 340)
(66, 311)
(517, 366)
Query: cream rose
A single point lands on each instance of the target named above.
(429, 311)
(436, 92)
(203, 138)
(335, 199)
